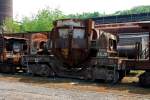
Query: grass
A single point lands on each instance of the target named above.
(135, 73)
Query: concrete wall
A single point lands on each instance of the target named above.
(6, 9)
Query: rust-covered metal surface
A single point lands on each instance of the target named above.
(26, 35)
(127, 27)
(13, 49)
(133, 64)
(39, 37)
(14, 46)
(73, 39)
(74, 47)
(27, 39)
(17, 38)
(133, 45)
(35, 40)
(6, 9)
(131, 50)
(70, 42)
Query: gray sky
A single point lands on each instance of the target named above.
(30, 7)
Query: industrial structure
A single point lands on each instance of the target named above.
(75, 48)
(6, 9)
(95, 48)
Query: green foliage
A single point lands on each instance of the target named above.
(85, 15)
(135, 10)
(43, 21)
(11, 26)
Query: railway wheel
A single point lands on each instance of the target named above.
(121, 75)
(8, 69)
(116, 77)
(13, 69)
(45, 70)
(144, 79)
(112, 77)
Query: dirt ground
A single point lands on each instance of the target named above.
(25, 87)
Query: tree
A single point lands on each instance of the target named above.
(135, 10)
(85, 15)
(11, 26)
(43, 21)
